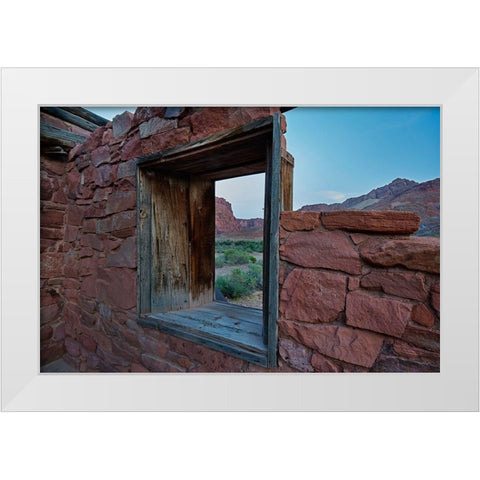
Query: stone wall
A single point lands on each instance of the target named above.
(358, 293)
(102, 333)
(53, 281)
(344, 305)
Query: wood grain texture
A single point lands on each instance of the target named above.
(273, 242)
(201, 210)
(220, 326)
(56, 136)
(286, 202)
(69, 117)
(87, 115)
(170, 244)
(144, 241)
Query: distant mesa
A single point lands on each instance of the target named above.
(402, 195)
(226, 223)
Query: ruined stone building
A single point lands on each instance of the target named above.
(127, 255)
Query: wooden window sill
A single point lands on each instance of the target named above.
(224, 327)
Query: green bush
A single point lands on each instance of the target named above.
(232, 256)
(239, 283)
(243, 245)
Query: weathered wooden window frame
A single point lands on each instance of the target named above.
(186, 171)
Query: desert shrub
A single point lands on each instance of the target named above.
(219, 261)
(243, 245)
(239, 283)
(232, 256)
(236, 257)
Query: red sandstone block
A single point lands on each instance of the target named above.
(125, 256)
(104, 225)
(51, 265)
(125, 233)
(154, 364)
(295, 355)
(85, 252)
(406, 285)
(103, 176)
(51, 233)
(88, 342)
(102, 194)
(132, 148)
(121, 124)
(162, 141)
(412, 253)
(46, 188)
(405, 350)
(75, 215)
(142, 114)
(382, 315)
(331, 250)
(156, 125)
(153, 346)
(120, 201)
(117, 287)
(435, 291)
(107, 136)
(371, 221)
(422, 315)
(312, 296)
(51, 351)
(59, 197)
(93, 241)
(92, 361)
(101, 155)
(207, 121)
(343, 343)
(294, 221)
(353, 283)
(128, 168)
(59, 331)
(111, 360)
(71, 233)
(72, 347)
(46, 332)
(124, 220)
(89, 286)
(137, 368)
(52, 218)
(126, 351)
(323, 364)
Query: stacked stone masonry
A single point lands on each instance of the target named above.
(357, 294)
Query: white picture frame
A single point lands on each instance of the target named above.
(455, 388)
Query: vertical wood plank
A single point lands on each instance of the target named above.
(144, 241)
(170, 243)
(266, 241)
(202, 241)
(272, 206)
(286, 182)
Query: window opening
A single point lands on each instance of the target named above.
(176, 239)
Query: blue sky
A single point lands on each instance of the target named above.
(343, 152)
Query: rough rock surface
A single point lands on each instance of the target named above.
(383, 315)
(330, 250)
(371, 221)
(406, 285)
(343, 343)
(294, 221)
(312, 296)
(401, 195)
(413, 253)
